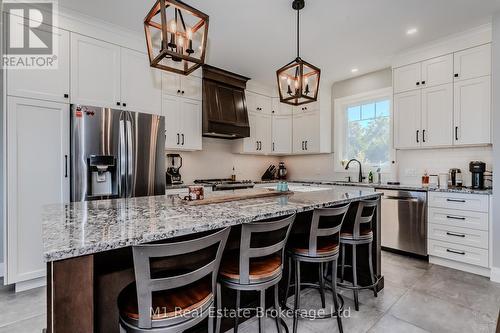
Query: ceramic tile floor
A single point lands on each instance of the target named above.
(418, 298)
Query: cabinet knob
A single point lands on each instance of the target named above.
(418, 83)
(423, 82)
(118, 103)
(456, 74)
(182, 92)
(66, 95)
(124, 104)
(178, 91)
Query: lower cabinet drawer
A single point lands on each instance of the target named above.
(465, 254)
(459, 218)
(460, 201)
(456, 235)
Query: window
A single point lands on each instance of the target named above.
(363, 129)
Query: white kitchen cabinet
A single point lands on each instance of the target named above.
(281, 109)
(307, 108)
(183, 86)
(407, 119)
(437, 116)
(407, 78)
(37, 151)
(183, 119)
(95, 72)
(259, 141)
(44, 84)
(258, 103)
(282, 134)
(437, 71)
(140, 83)
(473, 63)
(306, 134)
(472, 111)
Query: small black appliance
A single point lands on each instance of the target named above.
(174, 163)
(282, 171)
(477, 168)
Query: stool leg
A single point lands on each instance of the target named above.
(263, 309)
(322, 285)
(289, 279)
(355, 277)
(219, 309)
(238, 296)
(343, 263)
(277, 307)
(210, 324)
(370, 264)
(297, 296)
(335, 298)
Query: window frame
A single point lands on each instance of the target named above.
(340, 124)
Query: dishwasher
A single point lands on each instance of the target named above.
(404, 221)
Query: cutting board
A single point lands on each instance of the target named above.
(254, 194)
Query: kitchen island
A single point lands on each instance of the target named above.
(87, 245)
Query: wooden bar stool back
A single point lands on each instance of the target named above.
(162, 298)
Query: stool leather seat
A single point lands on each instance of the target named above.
(364, 234)
(299, 245)
(259, 268)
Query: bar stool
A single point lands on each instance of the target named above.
(359, 232)
(259, 263)
(321, 246)
(173, 290)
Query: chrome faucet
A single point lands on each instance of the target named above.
(360, 178)
(379, 176)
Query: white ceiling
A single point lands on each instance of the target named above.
(254, 38)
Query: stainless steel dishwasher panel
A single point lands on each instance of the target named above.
(404, 221)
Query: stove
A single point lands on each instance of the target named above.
(226, 184)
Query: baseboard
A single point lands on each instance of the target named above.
(31, 284)
(495, 274)
(460, 266)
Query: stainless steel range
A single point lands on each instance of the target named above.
(226, 184)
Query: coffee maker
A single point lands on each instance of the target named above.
(174, 163)
(455, 178)
(477, 168)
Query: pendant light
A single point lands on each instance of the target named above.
(298, 81)
(176, 36)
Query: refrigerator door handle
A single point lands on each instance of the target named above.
(130, 166)
(123, 165)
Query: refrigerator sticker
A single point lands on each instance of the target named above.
(78, 114)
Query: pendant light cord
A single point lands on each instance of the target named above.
(298, 33)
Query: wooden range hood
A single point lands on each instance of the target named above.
(224, 104)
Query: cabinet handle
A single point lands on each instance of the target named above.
(456, 133)
(182, 139)
(302, 145)
(306, 145)
(257, 143)
(417, 135)
(65, 166)
(455, 218)
(66, 95)
(454, 234)
(178, 139)
(455, 200)
(118, 103)
(456, 252)
(456, 74)
(273, 146)
(423, 135)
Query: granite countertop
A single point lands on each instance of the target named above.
(403, 187)
(83, 228)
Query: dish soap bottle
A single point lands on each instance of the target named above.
(425, 179)
(370, 177)
(233, 175)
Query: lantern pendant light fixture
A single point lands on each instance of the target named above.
(176, 36)
(298, 81)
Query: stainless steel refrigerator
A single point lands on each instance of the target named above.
(116, 153)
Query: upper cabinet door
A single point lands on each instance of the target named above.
(171, 109)
(252, 102)
(190, 125)
(473, 63)
(171, 84)
(472, 112)
(250, 144)
(311, 131)
(95, 72)
(437, 116)
(44, 84)
(407, 133)
(407, 78)
(191, 87)
(437, 71)
(141, 84)
(264, 135)
(298, 133)
(282, 134)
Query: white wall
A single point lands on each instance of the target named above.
(496, 147)
(216, 160)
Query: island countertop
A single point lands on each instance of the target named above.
(82, 228)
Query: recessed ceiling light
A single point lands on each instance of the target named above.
(411, 31)
(354, 70)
